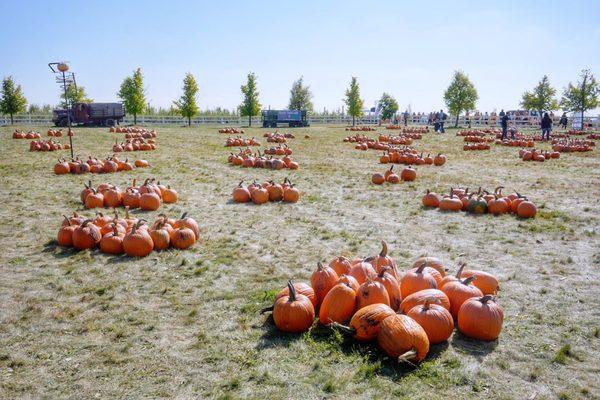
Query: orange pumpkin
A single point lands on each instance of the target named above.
(421, 296)
(435, 320)
(458, 292)
(366, 322)
(293, 313)
(416, 280)
(403, 339)
(481, 318)
(371, 292)
(338, 305)
(322, 280)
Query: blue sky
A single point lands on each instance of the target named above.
(408, 50)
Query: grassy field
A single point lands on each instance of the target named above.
(185, 324)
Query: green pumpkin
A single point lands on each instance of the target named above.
(477, 206)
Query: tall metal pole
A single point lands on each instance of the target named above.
(69, 133)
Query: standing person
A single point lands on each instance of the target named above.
(502, 113)
(563, 121)
(546, 126)
(504, 125)
(444, 118)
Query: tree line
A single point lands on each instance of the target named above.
(460, 96)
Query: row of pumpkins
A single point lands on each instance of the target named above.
(535, 155)
(408, 174)
(476, 146)
(478, 132)
(276, 137)
(248, 160)
(569, 146)
(241, 142)
(481, 202)
(95, 166)
(516, 142)
(147, 197)
(25, 135)
(47, 145)
(477, 139)
(360, 129)
(231, 130)
(131, 236)
(377, 145)
(405, 313)
(268, 191)
(408, 156)
(133, 132)
(56, 132)
(412, 129)
(136, 144)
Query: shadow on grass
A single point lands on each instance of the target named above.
(476, 348)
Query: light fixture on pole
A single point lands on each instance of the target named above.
(65, 79)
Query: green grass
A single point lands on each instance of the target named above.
(186, 324)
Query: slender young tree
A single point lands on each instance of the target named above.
(353, 100)
(583, 96)
(12, 100)
(461, 95)
(389, 106)
(300, 96)
(74, 95)
(541, 98)
(250, 105)
(133, 94)
(187, 102)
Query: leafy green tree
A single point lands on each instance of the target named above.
(300, 96)
(461, 95)
(12, 100)
(250, 105)
(541, 98)
(133, 94)
(389, 106)
(74, 95)
(186, 105)
(583, 96)
(353, 100)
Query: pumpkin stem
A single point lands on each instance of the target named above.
(429, 301)
(292, 291)
(266, 310)
(468, 280)
(346, 329)
(319, 265)
(68, 220)
(183, 215)
(486, 298)
(461, 266)
(115, 231)
(421, 267)
(384, 249)
(406, 357)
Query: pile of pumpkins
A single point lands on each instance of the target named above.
(364, 143)
(522, 142)
(241, 142)
(360, 128)
(135, 144)
(55, 132)
(231, 130)
(267, 192)
(570, 146)
(393, 127)
(481, 202)
(280, 150)
(478, 132)
(131, 236)
(133, 132)
(408, 156)
(535, 155)
(593, 136)
(275, 137)
(47, 145)
(416, 129)
(476, 146)
(22, 135)
(575, 132)
(408, 174)
(477, 139)
(246, 159)
(147, 197)
(96, 166)
(405, 313)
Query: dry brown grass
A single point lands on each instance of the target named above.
(185, 324)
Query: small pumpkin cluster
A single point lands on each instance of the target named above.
(241, 142)
(55, 132)
(267, 192)
(408, 174)
(47, 145)
(147, 197)
(231, 130)
(134, 132)
(481, 202)
(396, 139)
(408, 156)
(570, 146)
(276, 137)
(360, 128)
(280, 150)
(593, 136)
(478, 132)
(477, 139)
(17, 134)
(523, 142)
(131, 236)
(405, 313)
(246, 159)
(535, 155)
(95, 166)
(135, 144)
(476, 146)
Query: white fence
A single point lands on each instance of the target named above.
(28, 119)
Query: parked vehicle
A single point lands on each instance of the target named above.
(98, 114)
(294, 118)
